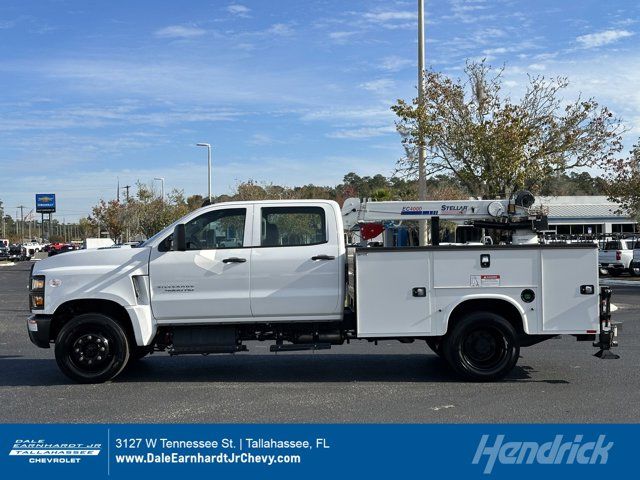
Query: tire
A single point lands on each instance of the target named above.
(634, 269)
(92, 348)
(435, 344)
(482, 347)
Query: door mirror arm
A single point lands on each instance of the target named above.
(179, 242)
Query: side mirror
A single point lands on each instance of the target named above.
(179, 242)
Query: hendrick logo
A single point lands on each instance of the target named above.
(555, 452)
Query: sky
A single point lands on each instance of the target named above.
(287, 91)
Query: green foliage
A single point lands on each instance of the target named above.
(493, 145)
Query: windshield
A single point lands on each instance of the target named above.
(165, 231)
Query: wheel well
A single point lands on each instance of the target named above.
(501, 307)
(72, 308)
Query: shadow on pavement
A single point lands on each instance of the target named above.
(282, 368)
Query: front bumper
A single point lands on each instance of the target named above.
(39, 327)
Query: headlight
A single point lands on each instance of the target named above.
(37, 283)
(36, 292)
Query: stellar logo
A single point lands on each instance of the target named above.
(556, 452)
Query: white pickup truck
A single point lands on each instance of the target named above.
(280, 271)
(616, 257)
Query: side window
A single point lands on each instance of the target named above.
(292, 226)
(216, 229)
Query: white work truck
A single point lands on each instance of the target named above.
(280, 271)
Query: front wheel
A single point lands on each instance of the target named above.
(92, 348)
(483, 346)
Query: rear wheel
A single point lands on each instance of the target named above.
(634, 269)
(92, 348)
(483, 346)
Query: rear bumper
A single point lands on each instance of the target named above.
(39, 327)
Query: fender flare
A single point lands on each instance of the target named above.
(487, 296)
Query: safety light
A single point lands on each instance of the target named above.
(528, 295)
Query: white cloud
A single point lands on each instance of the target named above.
(381, 85)
(599, 39)
(361, 133)
(281, 29)
(388, 16)
(341, 37)
(537, 67)
(394, 63)
(180, 31)
(238, 10)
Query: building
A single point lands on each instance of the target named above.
(585, 215)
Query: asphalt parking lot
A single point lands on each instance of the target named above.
(555, 381)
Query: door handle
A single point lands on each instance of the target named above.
(323, 257)
(234, 260)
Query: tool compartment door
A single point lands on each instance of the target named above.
(564, 308)
(387, 302)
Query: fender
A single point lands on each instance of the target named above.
(486, 296)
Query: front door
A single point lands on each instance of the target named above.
(295, 264)
(210, 281)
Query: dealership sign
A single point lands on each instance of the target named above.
(45, 202)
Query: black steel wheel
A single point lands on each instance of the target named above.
(483, 346)
(634, 269)
(92, 348)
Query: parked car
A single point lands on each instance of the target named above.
(616, 257)
(4, 252)
(15, 252)
(61, 248)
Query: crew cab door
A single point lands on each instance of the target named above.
(296, 266)
(209, 281)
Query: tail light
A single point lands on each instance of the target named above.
(618, 255)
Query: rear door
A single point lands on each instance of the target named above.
(295, 262)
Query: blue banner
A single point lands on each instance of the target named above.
(317, 451)
(45, 202)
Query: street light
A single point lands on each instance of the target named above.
(162, 187)
(209, 163)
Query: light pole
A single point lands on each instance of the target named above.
(209, 163)
(422, 150)
(162, 187)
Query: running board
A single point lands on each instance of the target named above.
(204, 349)
(293, 347)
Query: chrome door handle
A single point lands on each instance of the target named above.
(234, 260)
(323, 257)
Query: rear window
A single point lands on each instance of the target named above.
(612, 245)
(292, 226)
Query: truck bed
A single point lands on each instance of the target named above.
(413, 291)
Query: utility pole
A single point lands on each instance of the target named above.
(422, 149)
(21, 207)
(126, 188)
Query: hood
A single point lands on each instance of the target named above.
(100, 259)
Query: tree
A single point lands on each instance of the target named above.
(493, 145)
(110, 216)
(624, 182)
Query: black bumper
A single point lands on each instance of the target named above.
(39, 327)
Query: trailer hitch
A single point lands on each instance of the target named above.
(608, 330)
